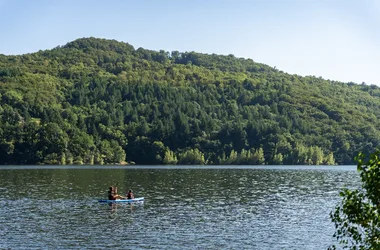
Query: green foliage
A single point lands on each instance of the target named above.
(329, 160)
(357, 217)
(258, 157)
(191, 157)
(110, 152)
(278, 159)
(97, 101)
(245, 157)
(169, 158)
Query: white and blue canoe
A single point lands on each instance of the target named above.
(140, 199)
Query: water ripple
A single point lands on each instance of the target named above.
(184, 208)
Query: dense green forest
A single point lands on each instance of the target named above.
(97, 101)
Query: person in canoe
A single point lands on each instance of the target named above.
(112, 194)
(130, 195)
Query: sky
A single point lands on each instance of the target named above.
(333, 39)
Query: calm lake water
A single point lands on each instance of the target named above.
(270, 207)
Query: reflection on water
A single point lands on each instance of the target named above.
(256, 208)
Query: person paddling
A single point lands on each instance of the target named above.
(112, 194)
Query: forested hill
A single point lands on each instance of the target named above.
(97, 101)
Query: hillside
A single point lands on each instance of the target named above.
(97, 101)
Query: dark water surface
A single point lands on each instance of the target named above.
(282, 207)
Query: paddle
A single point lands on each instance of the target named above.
(121, 197)
(117, 183)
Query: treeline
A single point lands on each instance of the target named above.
(96, 101)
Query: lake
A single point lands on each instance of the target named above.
(217, 207)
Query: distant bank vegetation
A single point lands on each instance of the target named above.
(97, 101)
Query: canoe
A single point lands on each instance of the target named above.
(122, 201)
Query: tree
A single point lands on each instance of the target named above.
(258, 156)
(232, 159)
(278, 159)
(357, 217)
(192, 157)
(112, 152)
(169, 158)
(97, 90)
(329, 160)
(316, 155)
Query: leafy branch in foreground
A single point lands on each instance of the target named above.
(356, 218)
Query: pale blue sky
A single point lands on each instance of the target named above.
(335, 39)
